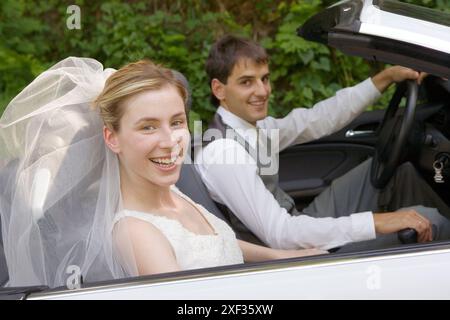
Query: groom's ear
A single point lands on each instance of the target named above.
(111, 140)
(218, 89)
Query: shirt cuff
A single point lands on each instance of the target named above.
(371, 90)
(363, 226)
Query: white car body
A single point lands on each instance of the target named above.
(417, 275)
(384, 24)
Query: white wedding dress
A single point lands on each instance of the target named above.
(194, 251)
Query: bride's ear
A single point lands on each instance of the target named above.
(111, 140)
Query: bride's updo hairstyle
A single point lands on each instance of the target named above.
(129, 80)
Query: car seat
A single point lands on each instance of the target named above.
(192, 185)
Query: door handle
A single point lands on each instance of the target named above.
(359, 133)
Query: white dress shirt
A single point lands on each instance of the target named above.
(237, 184)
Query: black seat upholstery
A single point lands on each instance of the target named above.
(192, 185)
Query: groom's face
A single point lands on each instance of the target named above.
(247, 91)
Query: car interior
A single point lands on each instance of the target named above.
(428, 141)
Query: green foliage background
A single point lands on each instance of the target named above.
(177, 33)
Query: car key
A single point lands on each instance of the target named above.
(438, 166)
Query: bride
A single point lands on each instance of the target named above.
(89, 162)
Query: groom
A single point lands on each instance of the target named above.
(258, 209)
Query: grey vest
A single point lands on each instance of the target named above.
(270, 181)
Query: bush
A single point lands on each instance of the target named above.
(178, 34)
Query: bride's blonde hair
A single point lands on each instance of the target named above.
(129, 80)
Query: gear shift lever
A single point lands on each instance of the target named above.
(408, 235)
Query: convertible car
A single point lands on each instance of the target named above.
(382, 30)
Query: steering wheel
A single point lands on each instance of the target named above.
(393, 134)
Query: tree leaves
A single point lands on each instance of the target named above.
(178, 34)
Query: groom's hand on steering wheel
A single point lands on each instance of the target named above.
(396, 74)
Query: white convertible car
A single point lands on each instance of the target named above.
(382, 30)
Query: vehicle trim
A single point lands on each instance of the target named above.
(242, 270)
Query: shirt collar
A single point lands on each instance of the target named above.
(239, 124)
(233, 120)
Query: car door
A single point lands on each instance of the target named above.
(307, 169)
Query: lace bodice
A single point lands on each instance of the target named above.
(192, 250)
